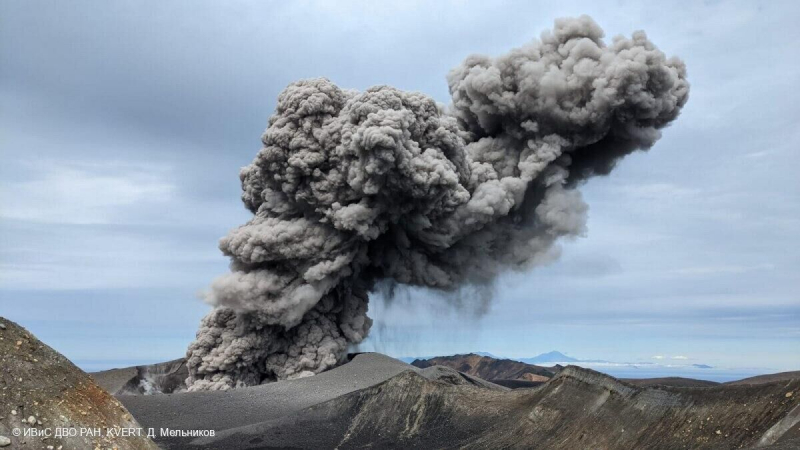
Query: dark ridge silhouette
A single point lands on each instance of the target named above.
(489, 368)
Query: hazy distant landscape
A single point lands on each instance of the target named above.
(644, 369)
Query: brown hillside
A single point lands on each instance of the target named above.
(489, 368)
(41, 389)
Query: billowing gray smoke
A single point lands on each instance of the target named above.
(352, 188)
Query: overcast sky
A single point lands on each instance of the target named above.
(123, 126)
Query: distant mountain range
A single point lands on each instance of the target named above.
(549, 357)
(640, 369)
(553, 357)
(499, 371)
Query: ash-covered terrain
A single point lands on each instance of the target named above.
(374, 401)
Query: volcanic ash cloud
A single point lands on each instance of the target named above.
(352, 188)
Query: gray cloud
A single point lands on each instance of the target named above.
(171, 85)
(355, 187)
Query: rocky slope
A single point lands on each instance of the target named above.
(374, 401)
(162, 378)
(489, 368)
(577, 409)
(42, 390)
(377, 402)
(255, 405)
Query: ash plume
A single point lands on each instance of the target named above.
(355, 188)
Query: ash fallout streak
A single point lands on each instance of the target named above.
(355, 188)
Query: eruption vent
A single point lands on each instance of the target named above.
(352, 188)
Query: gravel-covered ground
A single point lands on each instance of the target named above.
(42, 390)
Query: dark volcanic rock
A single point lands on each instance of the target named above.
(451, 376)
(578, 408)
(224, 410)
(38, 382)
(518, 384)
(252, 407)
(377, 402)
